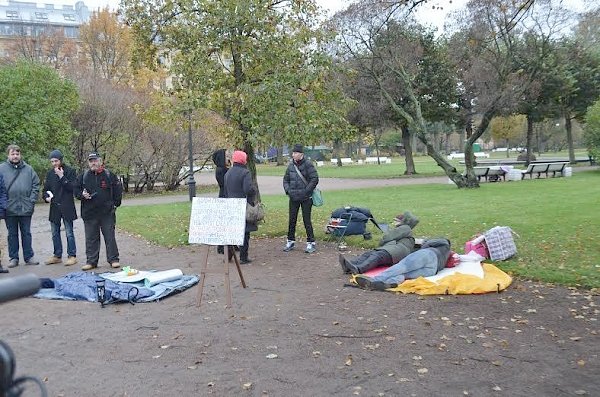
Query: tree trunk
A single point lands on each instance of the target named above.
(507, 149)
(279, 155)
(569, 129)
(408, 151)
(336, 152)
(529, 138)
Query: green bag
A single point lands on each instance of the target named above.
(317, 198)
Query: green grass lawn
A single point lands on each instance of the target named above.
(557, 219)
(424, 165)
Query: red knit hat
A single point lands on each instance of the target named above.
(239, 157)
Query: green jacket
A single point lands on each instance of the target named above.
(398, 242)
(24, 191)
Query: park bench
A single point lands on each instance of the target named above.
(345, 160)
(544, 168)
(373, 160)
(489, 173)
(478, 155)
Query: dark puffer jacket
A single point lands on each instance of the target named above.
(441, 247)
(294, 186)
(398, 242)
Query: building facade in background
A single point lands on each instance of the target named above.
(43, 32)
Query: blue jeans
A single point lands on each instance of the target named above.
(57, 241)
(421, 263)
(13, 225)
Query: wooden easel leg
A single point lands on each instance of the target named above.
(227, 280)
(203, 271)
(239, 269)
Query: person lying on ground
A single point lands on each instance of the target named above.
(394, 245)
(434, 255)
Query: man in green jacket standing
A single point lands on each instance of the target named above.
(22, 188)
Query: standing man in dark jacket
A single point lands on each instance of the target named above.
(238, 184)
(220, 159)
(299, 181)
(22, 189)
(58, 191)
(3, 200)
(100, 193)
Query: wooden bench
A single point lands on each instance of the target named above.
(544, 168)
(345, 160)
(487, 172)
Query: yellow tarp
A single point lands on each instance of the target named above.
(494, 280)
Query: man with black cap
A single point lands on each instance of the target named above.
(299, 181)
(58, 191)
(22, 188)
(100, 192)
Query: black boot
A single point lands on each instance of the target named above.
(342, 262)
(368, 284)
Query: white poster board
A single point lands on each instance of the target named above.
(217, 221)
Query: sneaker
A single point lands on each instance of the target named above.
(115, 265)
(88, 267)
(245, 261)
(13, 263)
(32, 262)
(310, 248)
(289, 246)
(72, 260)
(3, 270)
(53, 260)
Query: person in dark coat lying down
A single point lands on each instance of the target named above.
(396, 244)
(434, 255)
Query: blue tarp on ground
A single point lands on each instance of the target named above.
(82, 286)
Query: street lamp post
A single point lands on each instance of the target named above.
(191, 179)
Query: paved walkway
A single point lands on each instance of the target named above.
(273, 185)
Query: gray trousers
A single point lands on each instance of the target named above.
(93, 227)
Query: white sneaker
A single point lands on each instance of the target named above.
(310, 248)
(289, 246)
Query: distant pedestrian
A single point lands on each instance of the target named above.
(58, 191)
(299, 181)
(238, 184)
(3, 200)
(100, 192)
(22, 188)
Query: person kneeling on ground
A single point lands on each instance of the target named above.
(394, 245)
(434, 255)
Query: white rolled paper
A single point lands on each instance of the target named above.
(154, 278)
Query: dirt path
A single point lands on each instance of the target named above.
(329, 339)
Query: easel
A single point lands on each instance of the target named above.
(228, 253)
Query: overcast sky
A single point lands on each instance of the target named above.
(425, 13)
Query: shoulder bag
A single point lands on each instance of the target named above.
(317, 197)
